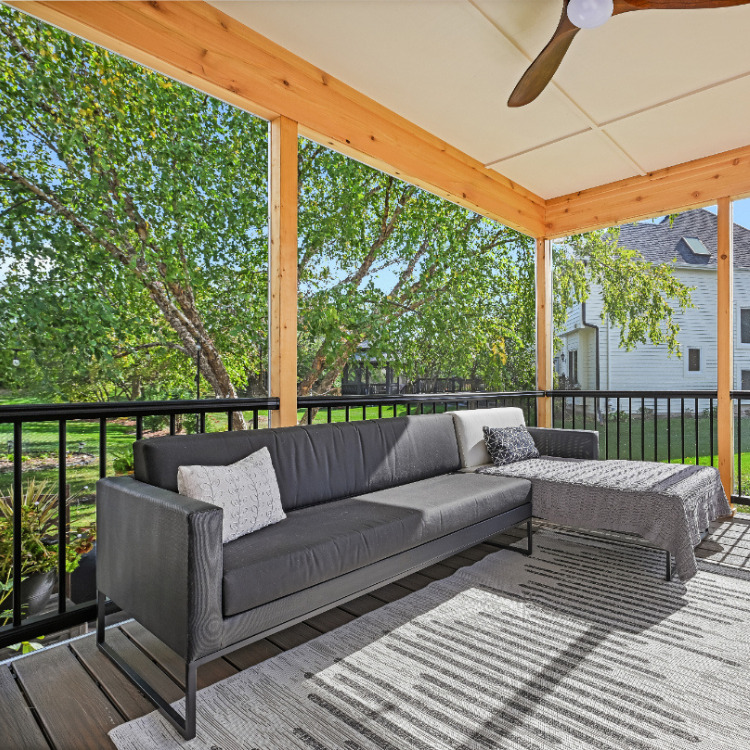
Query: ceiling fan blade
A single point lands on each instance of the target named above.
(540, 72)
(623, 6)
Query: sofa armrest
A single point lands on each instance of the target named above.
(566, 443)
(159, 557)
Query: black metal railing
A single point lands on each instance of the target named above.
(637, 425)
(643, 425)
(14, 419)
(102, 417)
(349, 408)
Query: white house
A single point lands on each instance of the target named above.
(591, 358)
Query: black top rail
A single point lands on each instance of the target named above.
(99, 410)
(323, 402)
(574, 393)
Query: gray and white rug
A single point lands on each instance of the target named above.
(584, 645)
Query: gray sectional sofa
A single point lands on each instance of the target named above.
(366, 503)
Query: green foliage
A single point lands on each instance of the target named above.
(133, 211)
(133, 215)
(429, 287)
(39, 531)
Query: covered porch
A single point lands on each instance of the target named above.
(70, 695)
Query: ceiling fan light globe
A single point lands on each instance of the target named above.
(588, 14)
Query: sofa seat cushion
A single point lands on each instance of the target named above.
(320, 542)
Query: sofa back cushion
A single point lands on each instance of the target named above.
(470, 435)
(316, 463)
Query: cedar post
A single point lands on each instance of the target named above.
(544, 337)
(725, 344)
(282, 270)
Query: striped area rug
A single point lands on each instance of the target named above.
(584, 645)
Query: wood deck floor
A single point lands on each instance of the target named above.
(69, 696)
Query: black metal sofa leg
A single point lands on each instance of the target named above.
(185, 725)
(529, 544)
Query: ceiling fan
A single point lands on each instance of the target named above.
(588, 14)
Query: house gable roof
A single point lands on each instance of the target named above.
(664, 242)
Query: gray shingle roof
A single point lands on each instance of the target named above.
(662, 242)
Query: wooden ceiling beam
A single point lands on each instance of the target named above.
(671, 190)
(197, 44)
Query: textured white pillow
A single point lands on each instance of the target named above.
(247, 491)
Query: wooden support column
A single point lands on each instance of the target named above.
(544, 335)
(282, 270)
(725, 344)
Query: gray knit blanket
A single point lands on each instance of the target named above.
(667, 504)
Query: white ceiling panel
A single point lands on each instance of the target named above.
(439, 64)
(715, 120)
(562, 168)
(668, 86)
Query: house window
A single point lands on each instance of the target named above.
(573, 366)
(745, 325)
(746, 380)
(694, 360)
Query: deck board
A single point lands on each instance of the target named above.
(74, 713)
(171, 663)
(125, 696)
(77, 695)
(18, 727)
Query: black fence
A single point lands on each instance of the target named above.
(675, 426)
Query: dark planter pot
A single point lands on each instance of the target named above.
(35, 593)
(83, 579)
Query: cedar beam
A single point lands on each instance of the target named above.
(725, 339)
(694, 184)
(194, 42)
(282, 270)
(544, 334)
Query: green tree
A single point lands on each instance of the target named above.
(133, 214)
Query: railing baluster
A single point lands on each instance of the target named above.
(739, 447)
(172, 424)
(330, 415)
(643, 429)
(606, 427)
(102, 447)
(656, 429)
(697, 442)
(202, 422)
(630, 428)
(380, 411)
(230, 421)
(573, 416)
(364, 412)
(596, 413)
(62, 514)
(711, 427)
(682, 427)
(346, 413)
(669, 430)
(138, 427)
(17, 513)
(310, 416)
(617, 424)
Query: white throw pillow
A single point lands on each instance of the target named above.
(247, 491)
(469, 426)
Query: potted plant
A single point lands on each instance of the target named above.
(39, 548)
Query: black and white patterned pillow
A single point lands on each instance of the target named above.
(506, 445)
(247, 490)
